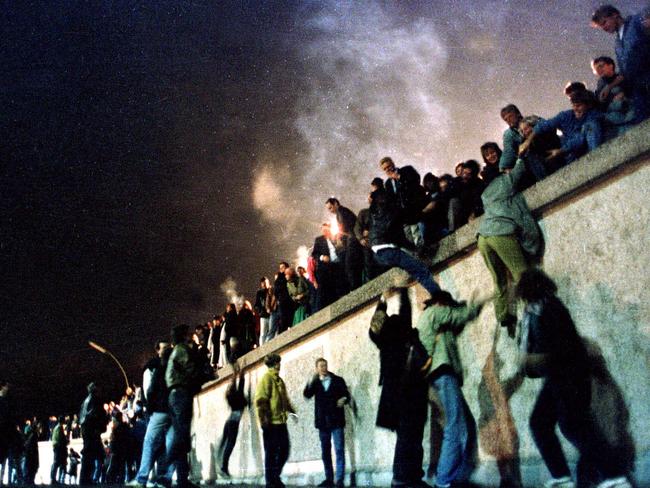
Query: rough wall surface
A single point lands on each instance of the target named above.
(594, 216)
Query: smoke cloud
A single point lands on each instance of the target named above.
(373, 86)
(229, 289)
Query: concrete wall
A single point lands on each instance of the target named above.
(594, 216)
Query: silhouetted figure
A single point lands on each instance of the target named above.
(403, 400)
(237, 401)
(552, 349)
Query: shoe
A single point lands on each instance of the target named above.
(135, 483)
(223, 473)
(419, 484)
(564, 482)
(188, 484)
(326, 484)
(621, 482)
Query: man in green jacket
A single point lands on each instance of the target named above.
(442, 320)
(299, 292)
(180, 377)
(508, 236)
(273, 408)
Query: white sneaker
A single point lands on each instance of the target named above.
(620, 482)
(564, 482)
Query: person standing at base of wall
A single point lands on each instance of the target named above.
(403, 401)
(273, 408)
(181, 380)
(442, 320)
(552, 349)
(93, 420)
(331, 394)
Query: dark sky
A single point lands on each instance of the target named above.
(155, 153)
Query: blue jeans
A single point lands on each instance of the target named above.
(413, 266)
(159, 434)
(229, 438)
(458, 434)
(326, 436)
(180, 409)
(274, 322)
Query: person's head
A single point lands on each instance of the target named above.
(272, 361)
(289, 273)
(458, 170)
(491, 153)
(574, 87)
(378, 198)
(230, 308)
(603, 67)
(301, 271)
(444, 182)
(91, 388)
(376, 183)
(61, 419)
(264, 283)
(470, 170)
(332, 205)
(180, 334)
(534, 285)
(510, 114)
(388, 167)
(607, 18)
(321, 366)
(282, 266)
(527, 124)
(582, 102)
(161, 347)
(430, 182)
(326, 230)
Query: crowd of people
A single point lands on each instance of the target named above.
(122, 427)
(408, 214)
(149, 430)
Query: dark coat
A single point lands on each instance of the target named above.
(157, 392)
(326, 414)
(403, 398)
(92, 417)
(346, 219)
(386, 223)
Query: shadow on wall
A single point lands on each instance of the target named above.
(496, 426)
(255, 441)
(351, 419)
(601, 311)
(609, 412)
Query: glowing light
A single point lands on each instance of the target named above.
(334, 227)
(302, 254)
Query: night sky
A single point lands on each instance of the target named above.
(156, 153)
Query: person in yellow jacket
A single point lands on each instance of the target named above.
(273, 409)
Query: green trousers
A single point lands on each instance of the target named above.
(502, 254)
